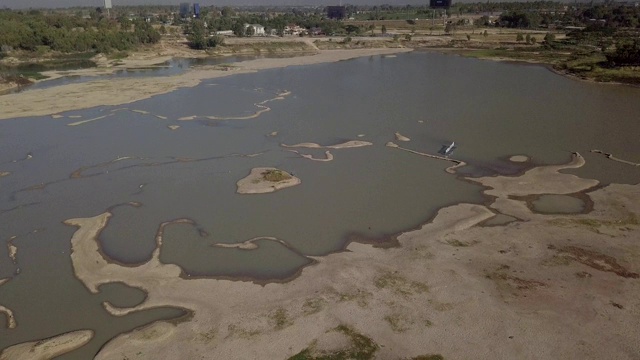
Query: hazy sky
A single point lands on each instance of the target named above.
(25, 4)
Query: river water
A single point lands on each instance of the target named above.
(491, 110)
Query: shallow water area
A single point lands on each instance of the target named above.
(126, 161)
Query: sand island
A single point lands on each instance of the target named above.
(265, 180)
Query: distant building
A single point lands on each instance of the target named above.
(196, 10)
(294, 29)
(258, 30)
(185, 10)
(439, 4)
(336, 12)
(107, 4)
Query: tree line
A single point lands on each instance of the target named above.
(34, 30)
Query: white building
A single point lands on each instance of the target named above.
(258, 30)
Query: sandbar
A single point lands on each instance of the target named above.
(260, 182)
(401, 137)
(519, 158)
(345, 145)
(47, 348)
(328, 156)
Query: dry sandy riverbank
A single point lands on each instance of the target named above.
(539, 287)
(62, 98)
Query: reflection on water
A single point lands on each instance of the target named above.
(490, 110)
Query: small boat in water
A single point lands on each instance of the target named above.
(446, 150)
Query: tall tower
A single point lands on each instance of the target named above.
(107, 5)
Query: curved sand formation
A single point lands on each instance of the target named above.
(540, 180)
(257, 183)
(345, 145)
(89, 120)
(450, 169)
(11, 320)
(47, 348)
(13, 252)
(401, 137)
(261, 105)
(329, 156)
(250, 244)
(610, 156)
(519, 158)
(511, 288)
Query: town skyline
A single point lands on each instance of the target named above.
(45, 4)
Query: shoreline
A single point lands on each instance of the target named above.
(54, 100)
(451, 267)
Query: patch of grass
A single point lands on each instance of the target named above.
(593, 225)
(275, 175)
(458, 243)
(428, 357)
(240, 332)
(557, 260)
(280, 319)
(398, 323)
(207, 337)
(400, 285)
(313, 305)
(597, 261)
(361, 348)
(118, 55)
(361, 297)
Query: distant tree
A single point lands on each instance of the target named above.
(468, 37)
(549, 38)
(249, 31)
(352, 29)
(228, 11)
(125, 23)
(533, 40)
(162, 30)
(407, 37)
(214, 41)
(238, 29)
(197, 35)
(383, 29)
(519, 37)
(627, 54)
(448, 28)
(528, 39)
(482, 21)
(485, 34)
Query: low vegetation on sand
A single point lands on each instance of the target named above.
(275, 175)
